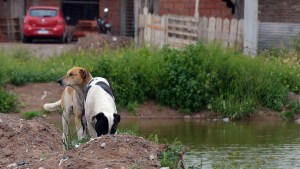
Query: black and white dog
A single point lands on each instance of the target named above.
(99, 102)
(100, 108)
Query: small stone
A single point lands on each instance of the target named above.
(41, 168)
(151, 157)
(1, 121)
(103, 145)
(127, 140)
(21, 162)
(225, 119)
(13, 165)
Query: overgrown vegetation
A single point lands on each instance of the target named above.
(171, 157)
(191, 79)
(8, 101)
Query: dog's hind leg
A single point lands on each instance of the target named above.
(65, 123)
(79, 126)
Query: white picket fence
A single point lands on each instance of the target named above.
(178, 31)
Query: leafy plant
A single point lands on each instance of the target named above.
(171, 157)
(7, 101)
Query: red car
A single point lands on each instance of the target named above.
(44, 22)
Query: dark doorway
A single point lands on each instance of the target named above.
(80, 10)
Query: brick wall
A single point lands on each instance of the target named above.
(44, 3)
(114, 9)
(279, 11)
(216, 8)
(1, 8)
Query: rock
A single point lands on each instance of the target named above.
(151, 157)
(21, 162)
(103, 145)
(13, 165)
(62, 160)
(1, 121)
(164, 168)
(7, 152)
(225, 119)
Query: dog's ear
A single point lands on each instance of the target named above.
(84, 73)
(117, 117)
(98, 116)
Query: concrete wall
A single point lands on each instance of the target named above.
(43, 3)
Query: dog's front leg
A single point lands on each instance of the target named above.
(91, 127)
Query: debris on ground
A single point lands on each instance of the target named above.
(96, 41)
(83, 28)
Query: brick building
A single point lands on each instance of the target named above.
(121, 12)
(279, 11)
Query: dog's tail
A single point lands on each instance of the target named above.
(52, 106)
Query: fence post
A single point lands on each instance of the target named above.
(250, 27)
(196, 15)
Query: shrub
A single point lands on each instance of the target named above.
(190, 79)
(7, 101)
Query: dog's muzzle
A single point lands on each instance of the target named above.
(61, 82)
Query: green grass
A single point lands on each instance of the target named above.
(31, 114)
(191, 79)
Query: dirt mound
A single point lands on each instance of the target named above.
(26, 142)
(100, 41)
(118, 151)
(37, 144)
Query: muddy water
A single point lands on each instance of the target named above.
(231, 144)
(214, 144)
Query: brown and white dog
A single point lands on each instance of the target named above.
(70, 103)
(99, 103)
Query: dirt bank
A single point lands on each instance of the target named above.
(37, 144)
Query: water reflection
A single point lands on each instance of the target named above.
(246, 144)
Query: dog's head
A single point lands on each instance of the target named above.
(75, 77)
(104, 122)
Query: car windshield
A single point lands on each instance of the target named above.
(43, 12)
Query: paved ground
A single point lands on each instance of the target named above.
(40, 49)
